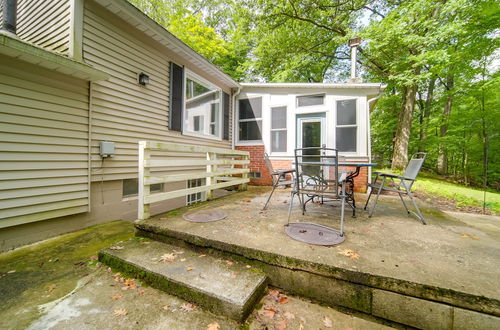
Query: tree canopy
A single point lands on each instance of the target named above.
(439, 59)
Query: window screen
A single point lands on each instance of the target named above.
(306, 100)
(346, 112)
(250, 119)
(278, 129)
(346, 130)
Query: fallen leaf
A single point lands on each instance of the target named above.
(289, 315)
(163, 218)
(283, 300)
(269, 312)
(124, 288)
(166, 307)
(469, 236)
(168, 257)
(327, 322)
(202, 255)
(51, 288)
(141, 292)
(349, 253)
(116, 296)
(281, 325)
(117, 248)
(213, 326)
(146, 243)
(93, 258)
(301, 326)
(189, 268)
(183, 259)
(233, 275)
(187, 307)
(11, 271)
(130, 283)
(229, 262)
(178, 251)
(248, 266)
(120, 312)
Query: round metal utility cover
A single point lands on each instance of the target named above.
(205, 216)
(312, 233)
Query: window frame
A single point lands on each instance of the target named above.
(202, 81)
(256, 119)
(313, 105)
(271, 129)
(356, 102)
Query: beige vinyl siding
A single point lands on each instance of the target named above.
(45, 23)
(43, 144)
(123, 111)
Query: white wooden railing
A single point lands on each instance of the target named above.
(219, 170)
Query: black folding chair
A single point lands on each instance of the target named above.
(280, 177)
(402, 188)
(312, 181)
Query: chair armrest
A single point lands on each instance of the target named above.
(395, 176)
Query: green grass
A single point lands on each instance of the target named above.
(463, 196)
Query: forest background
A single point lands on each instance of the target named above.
(440, 60)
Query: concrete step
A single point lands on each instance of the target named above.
(221, 286)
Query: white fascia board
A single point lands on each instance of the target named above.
(381, 87)
(136, 18)
(14, 47)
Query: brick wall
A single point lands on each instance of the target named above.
(257, 164)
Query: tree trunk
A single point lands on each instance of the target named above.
(442, 161)
(427, 112)
(400, 153)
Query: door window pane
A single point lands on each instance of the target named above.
(346, 138)
(278, 141)
(306, 100)
(346, 112)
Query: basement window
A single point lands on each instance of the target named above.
(254, 175)
(131, 188)
(196, 197)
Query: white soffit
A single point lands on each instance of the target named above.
(135, 17)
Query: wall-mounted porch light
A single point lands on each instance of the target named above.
(143, 79)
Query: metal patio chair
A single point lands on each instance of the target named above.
(312, 182)
(402, 188)
(279, 177)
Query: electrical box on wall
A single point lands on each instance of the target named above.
(107, 149)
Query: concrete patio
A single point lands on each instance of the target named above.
(443, 275)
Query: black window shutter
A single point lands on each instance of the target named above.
(225, 104)
(176, 92)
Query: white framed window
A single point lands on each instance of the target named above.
(250, 119)
(196, 197)
(346, 130)
(278, 129)
(310, 100)
(202, 105)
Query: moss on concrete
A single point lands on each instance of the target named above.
(48, 270)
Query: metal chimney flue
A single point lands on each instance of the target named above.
(9, 16)
(354, 43)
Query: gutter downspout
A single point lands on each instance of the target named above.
(9, 17)
(89, 159)
(233, 138)
(369, 142)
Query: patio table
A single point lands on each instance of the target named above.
(349, 178)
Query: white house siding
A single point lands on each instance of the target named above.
(45, 23)
(123, 111)
(43, 144)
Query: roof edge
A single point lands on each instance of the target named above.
(380, 86)
(12, 46)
